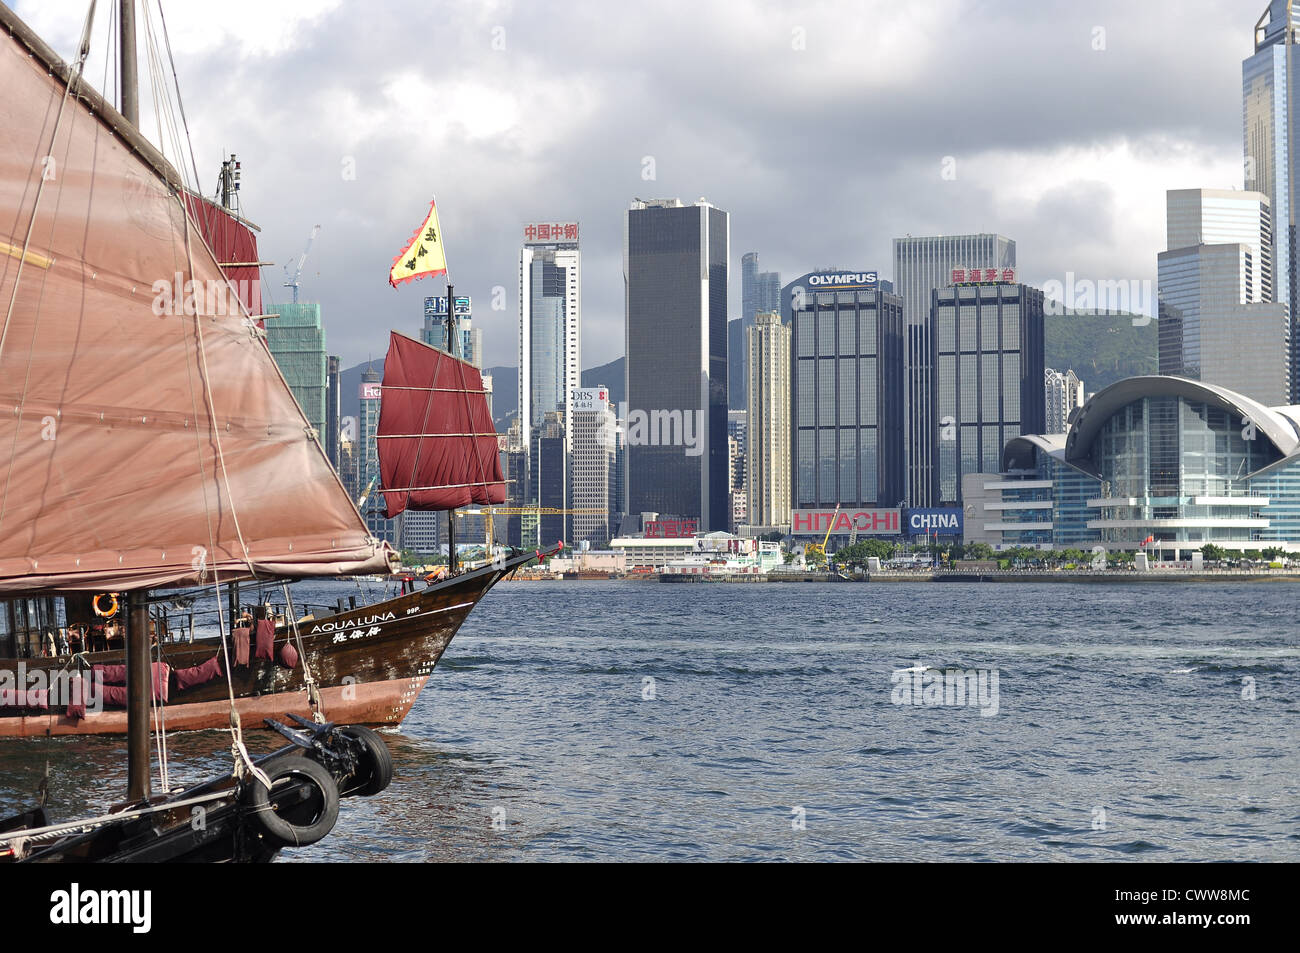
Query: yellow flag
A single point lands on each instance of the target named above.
(423, 254)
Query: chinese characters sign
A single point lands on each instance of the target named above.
(589, 398)
(548, 232)
(671, 529)
(980, 276)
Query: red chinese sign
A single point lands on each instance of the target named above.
(537, 232)
(671, 529)
(979, 276)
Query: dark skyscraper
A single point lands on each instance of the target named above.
(675, 260)
(920, 266)
(987, 354)
(846, 390)
(333, 398)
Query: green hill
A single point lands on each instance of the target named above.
(1101, 347)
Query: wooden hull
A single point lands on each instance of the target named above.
(370, 664)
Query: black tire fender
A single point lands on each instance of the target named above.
(302, 822)
(375, 766)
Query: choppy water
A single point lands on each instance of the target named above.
(1121, 729)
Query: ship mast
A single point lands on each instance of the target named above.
(451, 348)
(138, 687)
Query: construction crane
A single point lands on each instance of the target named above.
(293, 280)
(820, 548)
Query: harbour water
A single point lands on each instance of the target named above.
(632, 721)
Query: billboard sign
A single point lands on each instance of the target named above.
(438, 306)
(550, 233)
(833, 281)
(874, 521)
(589, 398)
(671, 529)
(370, 391)
(935, 522)
(983, 276)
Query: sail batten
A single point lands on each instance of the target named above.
(436, 442)
(147, 437)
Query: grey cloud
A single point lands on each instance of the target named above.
(814, 162)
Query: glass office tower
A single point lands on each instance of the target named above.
(846, 390)
(1269, 90)
(987, 352)
(550, 324)
(675, 297)
(920, 266)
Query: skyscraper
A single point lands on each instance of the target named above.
(470, 346)
(425, 531)
(297, 342)
(1217, 321)
(920, 266)
(514, 466)
(550, 322)
(675, 260)
(333, 398)
(368, 460)
(549, 475)
(987, 347)
(759, 291)
(593, 465)
(1270, 84)
(846, 391)
(767, 463)
(737, 444)
(1220, 217)
(1064, 393)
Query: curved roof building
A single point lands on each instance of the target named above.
(1177, 460)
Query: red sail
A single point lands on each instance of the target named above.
(148, 438)
(437, 444)
(234, 243)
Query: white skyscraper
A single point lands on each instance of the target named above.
(1225, 217)
(550, 323)
(1218, 320)
(594, 472)
(1064, 394)
(767, 456)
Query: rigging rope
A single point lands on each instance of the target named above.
(313, 691)
(243, 762)
(74, 75)
(160, 725)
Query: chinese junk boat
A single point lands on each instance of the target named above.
(147, 448)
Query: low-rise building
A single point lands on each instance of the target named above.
(1159, 462)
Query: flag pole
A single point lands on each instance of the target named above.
(451, 349)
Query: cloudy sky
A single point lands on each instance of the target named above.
(824, 128)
